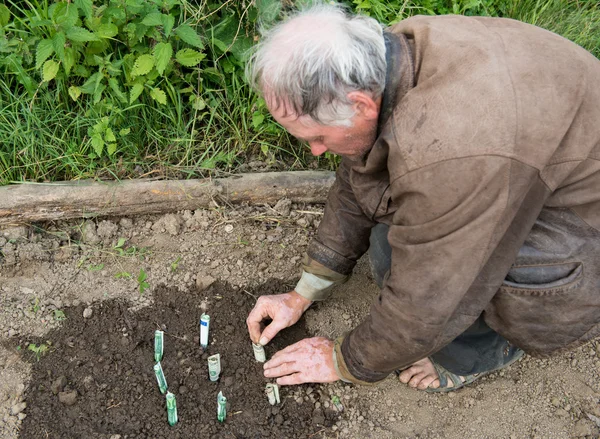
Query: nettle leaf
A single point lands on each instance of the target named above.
(168, 21)
(158, 95)
(64, 14)
(189, 57)
(143, 64)
(69, 59)
(111, 148)
(58, 42)
(114, 86)
(97, 143)
(98, 93)
(92, 84)
(152, 19)
(162, 53)
(109, 136)
(80, 35)
(135, 92)
(189, 35)
(4, 15)
(107, 30)
(85, 6)
(50, 70)
(74, 92)
(44, 49)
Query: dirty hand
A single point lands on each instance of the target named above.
(308, 361)
(284, 309)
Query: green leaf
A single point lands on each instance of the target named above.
(142, 276)
(80, 35)
(197, 102)
(162, 53)
(268, 10)
(158, 95)
(257, 119)
(97, 144)
(189, 57)
(98, 93)
(91, 85)
(168, 21)
(4, 15)
(50, 70)
(135, 92)
(58, 42)
(68, 60)
(85, 6)
(124, 132)
(152, 19)
(44, 49)
(111, 148)
(107, 30)
(189, 35)
(109, 136)
(143, 64)
(114, 86)
(74, 92)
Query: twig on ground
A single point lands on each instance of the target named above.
(250, 294)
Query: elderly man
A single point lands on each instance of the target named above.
(470, 171)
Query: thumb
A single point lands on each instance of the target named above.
(270, 331)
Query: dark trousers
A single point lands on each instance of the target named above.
(478, 349)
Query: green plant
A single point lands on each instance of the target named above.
(59, 315)
(35, 306)
(123, 275)
(175, 264)
(141, 279)
(95, 267)
(39, 350)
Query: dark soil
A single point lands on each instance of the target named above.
(107, 359)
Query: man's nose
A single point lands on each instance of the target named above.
(317, 148)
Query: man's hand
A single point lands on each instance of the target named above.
(308, 361)
(283, 309)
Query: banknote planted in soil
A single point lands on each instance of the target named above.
(96, 377)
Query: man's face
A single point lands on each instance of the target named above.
(352, 142)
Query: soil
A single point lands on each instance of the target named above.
(74, 287)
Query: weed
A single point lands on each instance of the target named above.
(59, 315)
(141, 279)
(39, 350)
(175, 264)
(95, 267)
(123, 275)
(35, 306)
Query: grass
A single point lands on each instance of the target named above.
(45, 138)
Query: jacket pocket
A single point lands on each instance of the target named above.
(543, 279)
(543, 308)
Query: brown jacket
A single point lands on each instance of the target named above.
(487, 169)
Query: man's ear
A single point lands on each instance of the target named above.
(364, 104)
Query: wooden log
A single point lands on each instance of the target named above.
(31, 202)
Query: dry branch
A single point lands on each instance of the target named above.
(31, 202)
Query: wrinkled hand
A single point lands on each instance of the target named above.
(308, 361)
(284, 309)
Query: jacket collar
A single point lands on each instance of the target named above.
(399, 75)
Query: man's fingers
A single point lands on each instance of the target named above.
(290, 380)
(288, 349)
(271, 331)
(281, 370)
(256, 316)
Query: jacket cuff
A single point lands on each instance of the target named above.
(330, 258)
(342, 368)
(351, 369)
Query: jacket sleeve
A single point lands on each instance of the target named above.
(342, 238)
(454, 237)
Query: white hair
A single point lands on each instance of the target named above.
(311, 61)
